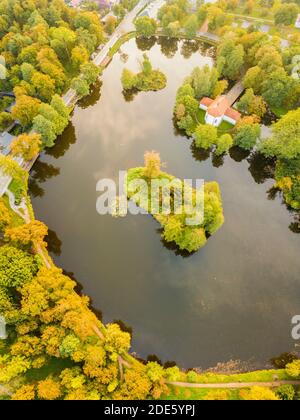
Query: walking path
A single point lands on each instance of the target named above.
(232, 385)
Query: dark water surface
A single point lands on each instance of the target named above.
(232, 299)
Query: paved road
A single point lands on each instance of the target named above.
(126, 25)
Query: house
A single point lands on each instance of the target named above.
(297, 24)
(218, 110)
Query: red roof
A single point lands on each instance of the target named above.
(233, 114)
(206, 101)
(218, 107)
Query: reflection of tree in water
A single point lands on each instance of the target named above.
(40, 173)
(172, 246)
(129, 94)
(260, 167)
(188, 48)
(207, 50)
(63, 142)
(54, 243)
(93, 97)
(145, 44)
(168, 46)
(295, 225)
(199, 154)
(238, 154)
(217, 161)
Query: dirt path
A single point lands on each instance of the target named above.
(233, 384)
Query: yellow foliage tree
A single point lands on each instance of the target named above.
(25, 393)
(258, 393)
(49, 389)
(152, 164)
(26, 145)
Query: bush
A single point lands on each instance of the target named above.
(285, 392)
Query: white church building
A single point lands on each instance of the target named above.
(218, 110)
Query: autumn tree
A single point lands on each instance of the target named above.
(49, 389)
(26, 145)
(32, 234)
(152, 164)
(25, 109)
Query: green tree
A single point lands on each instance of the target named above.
(230, 59)
(246, 135)
(145, 26)
(285, 140)
(205, 136)
(128, 79)
(16, 266)
(191, 26)
(45, 128)
(286, 14)
(223, 143)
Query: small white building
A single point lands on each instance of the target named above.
(218, 110)
(297, 24)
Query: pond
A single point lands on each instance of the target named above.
(235, 298)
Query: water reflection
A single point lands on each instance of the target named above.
(63, 142)
(40, 173)
(260, 167)
(145, 44)
(93, 97)
(53, 242)
(238, 154)
(217, 160)
(168, 46)
(199, 154)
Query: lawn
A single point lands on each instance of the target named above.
(223, 128)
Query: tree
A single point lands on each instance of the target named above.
(44, 86)
(45, 128)
(49, 389)
(251, 104)
(89, 72)
(145, 26)
(190, 104)
(32, 233)
(285, 140)
(80, 86)
(79, 56)
(152, 164)
(293, 369)
(25, 110)
(230, 59)
(203, 81)
(16, 266)
(258, 393)
(146, 65)
(254, 79)
(128, 79)
(246, 135)
(190, 26)
(223, 143)
(286, 14)
(205, 136)
(276, 87)
(26, 145)
(63, 41)
(110, 24)
(5, 217)
(285, 392)
(11, 168)
(6, 120)
(24, 393)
